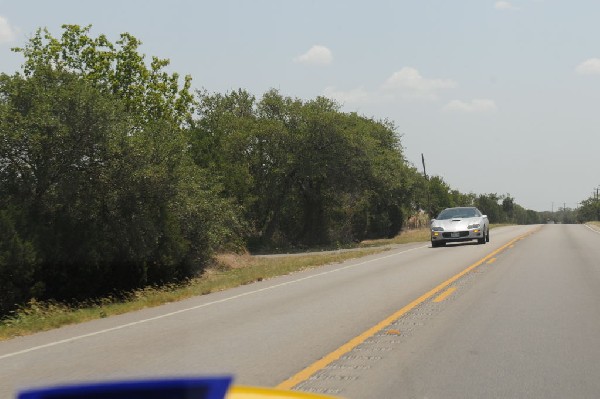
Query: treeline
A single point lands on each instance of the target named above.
(114, 175)
(98, 190)
(589, 209)
(499, 208)
(303, 172)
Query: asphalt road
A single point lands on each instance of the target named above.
(524, 321)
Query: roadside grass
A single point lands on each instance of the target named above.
(409, 236)
(228, 271)
(595, 224)
(495, 225)
(405, 237)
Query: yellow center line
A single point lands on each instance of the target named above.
(489, 262)
(320, 364)
(444, 295)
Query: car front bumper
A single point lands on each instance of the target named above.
(457, 236)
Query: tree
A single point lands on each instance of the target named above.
(508, 208)
(147, 92)
(440, 195)
(589, 209)
(305, 172)
(99, 192)
(17, 264)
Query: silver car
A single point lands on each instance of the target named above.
(460, 224)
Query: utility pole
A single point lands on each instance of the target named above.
(429, 210)
(597, 205)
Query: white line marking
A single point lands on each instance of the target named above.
(591, 228)
(107, 330)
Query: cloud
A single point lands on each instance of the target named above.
(589, 67)
(7, 32)
(409, 83)
(316, 55)
(471, 107)
(406, 84)
(504, 6)
(358, 95)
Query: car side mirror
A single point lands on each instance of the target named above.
(484, 216)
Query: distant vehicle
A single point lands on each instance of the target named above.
(460, 224)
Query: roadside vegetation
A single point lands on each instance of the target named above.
(589, 209)
(227, 271)
(596, 225)
(115, 176)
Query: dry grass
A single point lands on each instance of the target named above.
(408, 236)
(405, 237)
(595, 225)
(229, 271)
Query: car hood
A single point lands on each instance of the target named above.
(456, 224)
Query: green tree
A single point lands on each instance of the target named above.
(17, 264)
(106, 209)
(305, 172)
(508, 209)
(489, 204)
(147, 92)
(441, 195)
(589, 209)
(99, 192)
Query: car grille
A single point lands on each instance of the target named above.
(461, 234)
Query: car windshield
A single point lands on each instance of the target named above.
(453, 213)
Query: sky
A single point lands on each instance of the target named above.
(500, 96)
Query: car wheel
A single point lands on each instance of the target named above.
(482, 240)
(487, 237)
(435, 244)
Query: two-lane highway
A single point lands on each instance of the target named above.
(488, 333)
(525, 324)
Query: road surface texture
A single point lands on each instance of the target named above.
(518, 317)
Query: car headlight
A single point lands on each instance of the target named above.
(474, 226)
(437, 228)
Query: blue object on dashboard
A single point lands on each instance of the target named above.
(174, 388)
